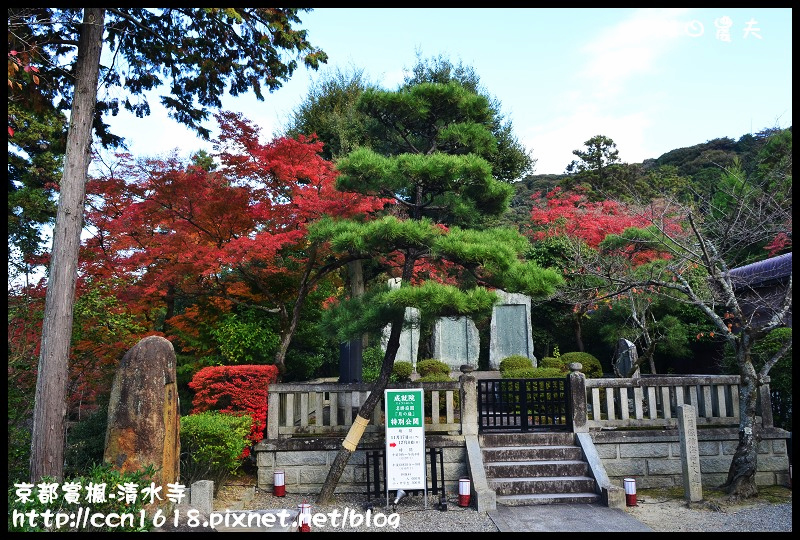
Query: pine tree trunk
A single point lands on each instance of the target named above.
(47, 439)
(356, 430)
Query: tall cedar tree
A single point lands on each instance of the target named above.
(442, 186)
(228, 235)
(197, 52)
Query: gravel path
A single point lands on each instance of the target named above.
(660, 511)
(668, 514)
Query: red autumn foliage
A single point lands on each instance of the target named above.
(235, 235)
(570, 213)
(235, 390)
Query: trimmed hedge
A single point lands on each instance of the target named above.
(591, 365)
(401, 372)
(431, 366)
(515, 362)
(212, 444)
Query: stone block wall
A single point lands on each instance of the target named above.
(306, 461)
(653, 458)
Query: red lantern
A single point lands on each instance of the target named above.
(279, 484)
(304, 517)
(630, 491)
(463, 491)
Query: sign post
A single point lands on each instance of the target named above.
(405, 441)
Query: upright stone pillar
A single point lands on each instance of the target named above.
(511, 329)
(143, 413)
(690, 453)
(577, 398)
(468, 401)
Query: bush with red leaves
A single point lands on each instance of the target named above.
(235, 390)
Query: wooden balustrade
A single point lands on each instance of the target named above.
(330, 408)
(651, 401)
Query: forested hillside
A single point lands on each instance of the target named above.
(694, 170)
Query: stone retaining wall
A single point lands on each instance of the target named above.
(306, 461)
(653, 458)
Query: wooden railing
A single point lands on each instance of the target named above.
(329, 408)
(652, 401)
(649, 401)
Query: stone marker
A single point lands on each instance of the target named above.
(201, 496)
(690, 454)
(456, 342)
(510, 329)
(625, 357)
(143, 413)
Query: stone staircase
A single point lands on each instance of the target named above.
(537, 468)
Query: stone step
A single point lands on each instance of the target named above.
(493, 440)
(537, 468)
(547, 498)
(530, 453)
(542, 485)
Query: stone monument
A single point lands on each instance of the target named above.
(143, 413)
(625, 358)
(456, 342)
(510, 332)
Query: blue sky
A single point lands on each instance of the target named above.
(651, 79)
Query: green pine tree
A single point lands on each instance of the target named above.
(435, 138)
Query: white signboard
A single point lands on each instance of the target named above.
(405, 440)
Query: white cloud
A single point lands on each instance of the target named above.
(629, 48)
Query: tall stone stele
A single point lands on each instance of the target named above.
(143, 414)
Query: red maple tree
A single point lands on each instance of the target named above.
(219, 237)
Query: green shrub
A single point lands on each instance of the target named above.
(552, 362)
(533, 373)
(515, 362)
(98, 474)
(371, 362)
(86, 443)
(591, 365)
(401, 372)
(431, 366)
(211, 446)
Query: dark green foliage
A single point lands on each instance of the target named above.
(591, 365)
(432, 366)
(86, 442)
(510, 161)
(515, 362)
(401, 372)
(19, 453)
(329, 111)
(212, 444)
(371, 361)
(98, 474)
